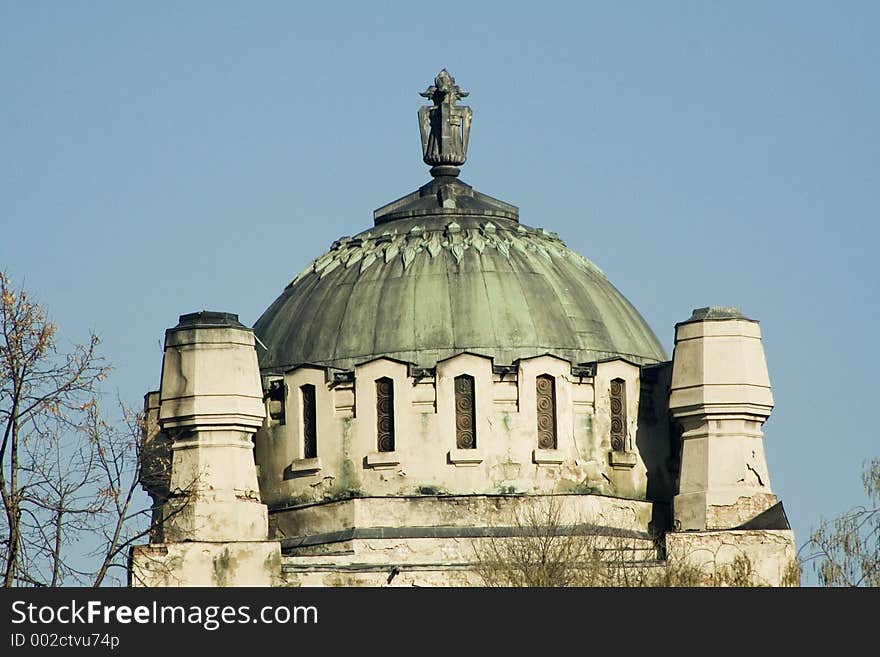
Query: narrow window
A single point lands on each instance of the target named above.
(385, 414)
(618, 415)
(465, 421)
(310, 432)
(546, 400)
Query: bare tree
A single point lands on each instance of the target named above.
(545, 546)
(845, 551)
(542, 550)
(68, 477)
(58, 506)
(119, 466)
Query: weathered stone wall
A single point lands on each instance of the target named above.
(199, 563)
(422, 513)
(425, 460)
(456, 511)
(760, 557)
(442, 540)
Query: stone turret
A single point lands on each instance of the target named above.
(720, 396)
(210, 405)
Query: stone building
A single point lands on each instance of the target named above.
(427, 380)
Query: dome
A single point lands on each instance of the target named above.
(447, 270)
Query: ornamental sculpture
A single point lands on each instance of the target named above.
(465, 422)
(445, 127)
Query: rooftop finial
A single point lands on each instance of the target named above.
(445, 127)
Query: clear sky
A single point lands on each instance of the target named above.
(162, 158)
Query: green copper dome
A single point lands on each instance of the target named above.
(447, 270)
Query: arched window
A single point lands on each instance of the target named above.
(310, 432)
(546, 401)
(618, 415)
(385, 414)
(465, 414)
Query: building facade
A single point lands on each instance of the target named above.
(425, 383)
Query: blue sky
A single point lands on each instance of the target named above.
(162, 158)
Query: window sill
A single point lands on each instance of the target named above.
(548, 456)
(305, 466)
(464, 457)
(380, 460)
(622, 460)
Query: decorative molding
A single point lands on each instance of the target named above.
(465, 413)
(445, 127)
(385, 414)
(367, 249)
(545, 395)
(439, 531)
(617, 396)
(584, 370)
